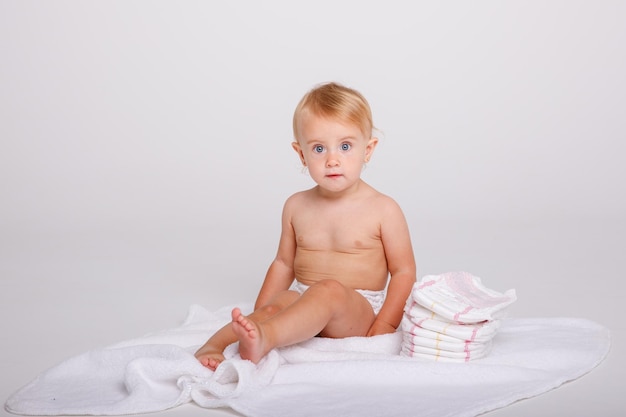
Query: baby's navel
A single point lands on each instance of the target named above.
(358, 244)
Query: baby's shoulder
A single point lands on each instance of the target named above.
(299, 199)
(299, 196)
(380, 199)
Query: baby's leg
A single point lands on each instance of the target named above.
(253, 345)
(211, 353)
(327, 307)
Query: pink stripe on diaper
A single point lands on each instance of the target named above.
(426, 284)
(474, 332)
(467, 310)
(467, 351)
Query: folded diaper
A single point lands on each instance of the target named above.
(452, 317)
(408, 327)
(416, 311)
(416, 351)
(461, 297)
(449, 346)
(415, 323)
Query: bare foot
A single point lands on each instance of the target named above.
(251, 341)
(210, 358)
(211, 361)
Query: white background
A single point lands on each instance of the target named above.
(145, 156)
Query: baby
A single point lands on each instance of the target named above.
(345, 264)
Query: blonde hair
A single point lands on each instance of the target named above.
(335, 101)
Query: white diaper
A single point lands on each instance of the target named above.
(375, 298)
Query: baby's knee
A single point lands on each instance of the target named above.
(268, 310)
(330, 287)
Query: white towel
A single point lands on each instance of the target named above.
(331, 376)
(461, 297)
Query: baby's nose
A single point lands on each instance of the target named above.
(332, 160)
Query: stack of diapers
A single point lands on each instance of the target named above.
(452, 317)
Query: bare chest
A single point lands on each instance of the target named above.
(338, 232)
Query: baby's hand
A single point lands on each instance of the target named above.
(380, 327)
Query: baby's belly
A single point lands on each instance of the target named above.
(365, 270)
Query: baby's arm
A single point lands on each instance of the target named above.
(401, 264)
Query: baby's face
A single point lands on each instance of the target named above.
(333, 151)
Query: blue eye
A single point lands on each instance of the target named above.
(345, 146)
(318, 149)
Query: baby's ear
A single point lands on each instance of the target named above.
(296, 147)
(369, 149)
